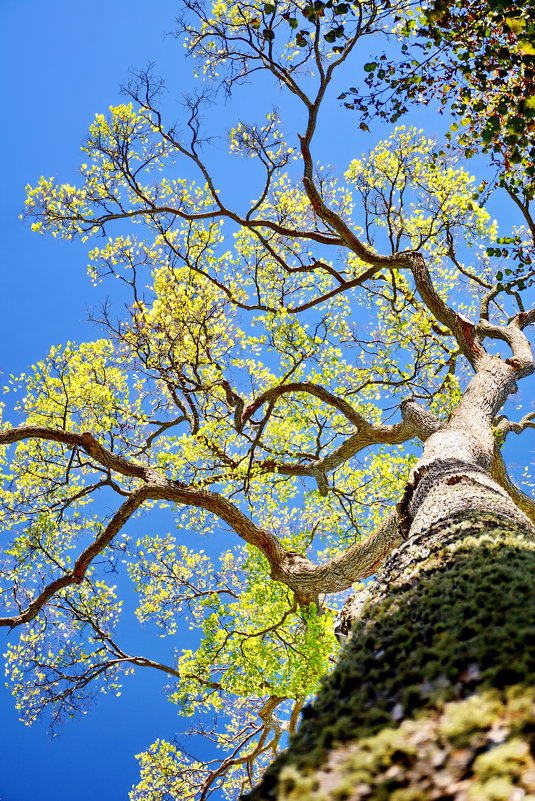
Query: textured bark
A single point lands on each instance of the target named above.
(453, 475)
(432, 697)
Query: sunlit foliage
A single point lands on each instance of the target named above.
(252, 385)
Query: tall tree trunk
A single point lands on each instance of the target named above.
(433, 695)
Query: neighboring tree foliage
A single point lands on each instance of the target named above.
(477, 60)
(491, 48)
(277, 367)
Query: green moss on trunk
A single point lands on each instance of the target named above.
(436, 678)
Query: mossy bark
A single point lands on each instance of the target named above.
(433, 695)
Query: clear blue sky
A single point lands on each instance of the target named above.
(61, 62)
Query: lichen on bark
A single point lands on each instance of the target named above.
(432, 697)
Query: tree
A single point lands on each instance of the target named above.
(477, 59)
(275, 381)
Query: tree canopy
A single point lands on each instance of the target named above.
(276, 365)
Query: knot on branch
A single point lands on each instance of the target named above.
(423, 422)
(516, 364)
